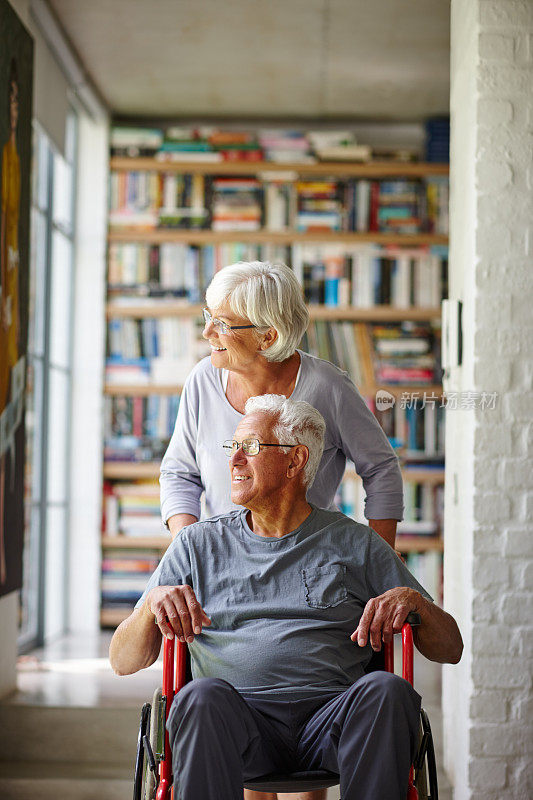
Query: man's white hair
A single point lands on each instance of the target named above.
(269, 295)
(297, 422)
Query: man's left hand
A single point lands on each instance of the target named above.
(384, 616)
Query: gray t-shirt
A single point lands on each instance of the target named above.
(282, 609)
(195, 461)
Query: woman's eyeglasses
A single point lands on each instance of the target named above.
(222, 327)
(250, 447)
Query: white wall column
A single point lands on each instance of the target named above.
(87, 377)
(489, 478)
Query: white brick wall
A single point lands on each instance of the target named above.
(487, 703)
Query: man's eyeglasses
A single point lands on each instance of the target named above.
(250, 447)
(222, 327)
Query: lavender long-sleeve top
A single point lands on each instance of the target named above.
(195, 461)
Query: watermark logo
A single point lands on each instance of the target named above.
(451, 401)
(384, 400)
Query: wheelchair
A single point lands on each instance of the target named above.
(153, 764)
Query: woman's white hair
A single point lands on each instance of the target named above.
(297, 422)
(269, 295)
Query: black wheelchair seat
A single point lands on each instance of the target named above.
(293, 782)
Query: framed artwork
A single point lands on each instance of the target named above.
(16, 83)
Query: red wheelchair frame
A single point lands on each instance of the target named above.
(175, 677)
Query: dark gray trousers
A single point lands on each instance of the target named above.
(367, 735)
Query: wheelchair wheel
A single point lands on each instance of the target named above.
(425, 764)
(140, 757)
(155, 734)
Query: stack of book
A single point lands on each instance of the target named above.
(140, 514)
(438, 140)
(341, 344)
(122, 370)
(436, 205)
(134, 199)
(283, 146)
(338, 146)
(168, 337)
(134, 449)
(175, 270)
(396, 207)
(135, 142)
(404, 354)
(237, 204)
(125, 574)
(320, 206)
(132, 264)
(148, 200)
(366, 275)
(279, 197)
(187, 144)
(183, 201)
(150, 417)
(399, 206)
(163, 349)
(132, 509)
(350, 347)
(236, 145)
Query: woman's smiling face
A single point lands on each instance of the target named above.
(235, 349)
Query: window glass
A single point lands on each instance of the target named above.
(62, 211)
(60, 300)
(55, 570)
(48, 390)
(58, 416)
(37, 283)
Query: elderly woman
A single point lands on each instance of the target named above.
(254, 320)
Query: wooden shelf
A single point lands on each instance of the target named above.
(150, 469)
(433, 477)
(131, 470)
(170, 308)
(134, 542)
(419, 544)
(112, 617)
(176, 235)
(140, 389)
(368, 169)
(153, 308)
(404, 543)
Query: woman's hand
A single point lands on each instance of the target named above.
(177, 612)
(385, 615)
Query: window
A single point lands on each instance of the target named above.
(42, 600)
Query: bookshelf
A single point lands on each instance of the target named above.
(166, 308)
(274, 237)
(372, 169)
(137, 314)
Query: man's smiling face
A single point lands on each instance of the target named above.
(257, 480)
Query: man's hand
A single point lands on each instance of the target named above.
(385, 615)
(177, 611)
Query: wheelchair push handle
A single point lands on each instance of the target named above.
(412, 620)
(174, 679)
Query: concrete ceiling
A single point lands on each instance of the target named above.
(322, 59)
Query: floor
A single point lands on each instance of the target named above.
(74, 672)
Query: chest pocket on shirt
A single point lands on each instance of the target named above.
(324, 587)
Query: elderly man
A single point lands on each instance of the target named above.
(267, 599)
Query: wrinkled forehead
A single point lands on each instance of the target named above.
(257, 425)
